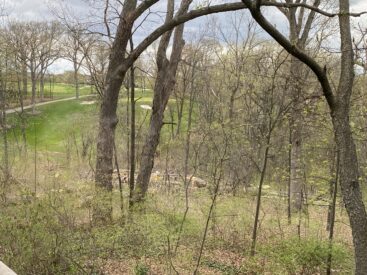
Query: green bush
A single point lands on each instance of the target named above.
(39, 236)
(306, 256)
(141, 269)
(32, 240)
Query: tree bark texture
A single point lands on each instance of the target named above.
(298, 35)
(76, 80)
(107, 116)
(42, 86)
(25, 78)
(164, 85)
(349, 168)
(34, 87)
(296, 169)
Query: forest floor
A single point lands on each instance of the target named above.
(46, 223)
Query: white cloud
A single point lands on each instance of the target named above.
(27, 9)
(359, 5)
(60, 66)
(41, 9)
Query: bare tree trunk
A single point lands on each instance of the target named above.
(42, 86)
(132, 134)
(180, 110)
(151, 143)
(187, 180)
(108, 117)
(296, 168)
(25, 79)
(21, 115)
(231, 103)
(19, 86)
(106, 135)
(3, 125)
(289, 200)
(119, 179)
(4, 133)
(350, 188)
(349, 174)
(164, 85)
(331, 216)
(259, 192)
(334, 174)
(298, 35)
(34, 84)
(76, 80)
(128, 130)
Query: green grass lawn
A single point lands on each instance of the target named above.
(56, 123)
(63, 90)
(60, 123)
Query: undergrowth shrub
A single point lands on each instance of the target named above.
(52, 234)
(306, 256)
(34, 241)
(141, 269)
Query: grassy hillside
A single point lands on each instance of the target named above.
(54, 123)
(59, 121)
(61, 90)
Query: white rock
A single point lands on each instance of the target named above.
(146, 107)
(4, 270)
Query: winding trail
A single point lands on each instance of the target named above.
(19, 109)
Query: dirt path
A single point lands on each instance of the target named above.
(19, 109)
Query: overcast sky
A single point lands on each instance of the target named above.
(39, 9)
(42, 10)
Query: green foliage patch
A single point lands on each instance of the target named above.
(306, 256)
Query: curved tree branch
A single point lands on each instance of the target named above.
(314, 8)
(142, 8)
(319, 71)
(167, 26)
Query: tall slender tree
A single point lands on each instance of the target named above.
(299, 31)
(338, 101)
(164, 85)
(76, 47)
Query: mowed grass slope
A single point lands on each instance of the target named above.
(60, 123)
(63, 90)
(56, 122)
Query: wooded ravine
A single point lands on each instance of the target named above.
(183, 137)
